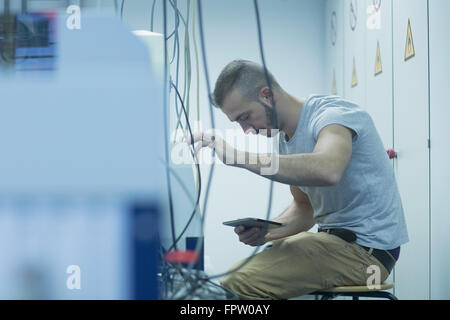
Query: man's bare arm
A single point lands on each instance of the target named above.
(323, 167)
(298, 217)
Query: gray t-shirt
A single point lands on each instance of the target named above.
(366, 200)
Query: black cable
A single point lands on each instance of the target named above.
(198, 171)
(200, 243)
(272, 96)
(198, 249)
(176, 43)
(211, 112)
(176, 52)
(177, 20)
(266, 73)
(178, 112)
(187, 59)
(182, 184)
(182, 272)
(187, 65)
(205, 66)
(248, 259)
(166, 140)
(199, 281)
(175, 241)
(121, 9)
(152, 15)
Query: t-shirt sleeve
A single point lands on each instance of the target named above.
(352, 118)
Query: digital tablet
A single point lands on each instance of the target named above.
(253, 222)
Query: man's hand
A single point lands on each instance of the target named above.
(298, 217)
(226, 153)
(252, 236)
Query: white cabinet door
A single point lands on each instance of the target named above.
(440, 147)
(379, 67)
(354, 50)
(334, 47)
(378, 42)
(411, 133)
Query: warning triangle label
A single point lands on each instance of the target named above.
(354, 75)
(409, 50)
(334, 87)
(378, 64)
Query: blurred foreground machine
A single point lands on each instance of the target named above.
(80, 172)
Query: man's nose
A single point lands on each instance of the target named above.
(247, 128)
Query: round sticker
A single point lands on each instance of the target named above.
(376, 4)
(353, 14)
(333, 28)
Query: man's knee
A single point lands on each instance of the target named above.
(244, 285)
(234, 281)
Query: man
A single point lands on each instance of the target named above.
(340, 178)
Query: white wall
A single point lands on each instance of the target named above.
(334, 47)
(439, 134)
(411, 135)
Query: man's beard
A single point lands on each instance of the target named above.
(269, 116)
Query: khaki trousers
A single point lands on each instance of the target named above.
(301, 264)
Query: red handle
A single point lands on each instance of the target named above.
(187, 256)
(391, 153)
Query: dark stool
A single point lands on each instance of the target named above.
(356, 292)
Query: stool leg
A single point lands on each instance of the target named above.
(382, 294)
(327, 297)
(390, 296)
(375, 294)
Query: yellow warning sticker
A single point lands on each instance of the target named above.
(334, 87)
(378, 64)
(354, 75)
(409, 50)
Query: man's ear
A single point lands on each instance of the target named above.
(265, 95)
